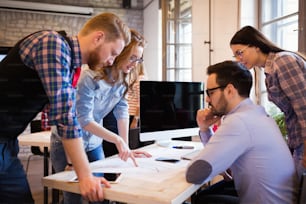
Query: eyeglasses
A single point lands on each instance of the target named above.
(239, 53)
(210, 91)
(134, 59)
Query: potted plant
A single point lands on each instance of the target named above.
(280, 121)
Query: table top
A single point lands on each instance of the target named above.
(41, 139)
(152, 182)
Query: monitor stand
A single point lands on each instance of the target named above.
(163, 143)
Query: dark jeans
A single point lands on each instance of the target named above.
(222, 192)
(59, 163)
(14, 186)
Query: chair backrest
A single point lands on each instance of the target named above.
(134, 141)
(35, 126)
(302, 192)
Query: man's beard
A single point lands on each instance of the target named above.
(222, 110)
(93, 59)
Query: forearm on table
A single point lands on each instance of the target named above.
(100, 131)
(75, 151)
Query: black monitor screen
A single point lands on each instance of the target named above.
(169, 105)
(3, 52)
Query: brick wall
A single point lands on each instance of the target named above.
(15, 25)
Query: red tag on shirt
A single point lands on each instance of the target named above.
(76, 77)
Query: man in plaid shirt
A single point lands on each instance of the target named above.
(39, 71)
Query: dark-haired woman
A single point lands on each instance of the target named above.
(285, 73)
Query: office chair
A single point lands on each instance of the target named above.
(302, 190)
(35, 126)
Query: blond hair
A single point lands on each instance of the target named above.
(110, 24)
(113, 74)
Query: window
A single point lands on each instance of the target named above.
(177, 38)
(279, 21)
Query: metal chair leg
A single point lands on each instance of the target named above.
(27, 167)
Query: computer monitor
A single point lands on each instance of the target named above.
(3, 52)
(2, 57)
(168, 110)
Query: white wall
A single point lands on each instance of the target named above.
(248, 15)
(200, 33)
(224, 23)
(153, 34)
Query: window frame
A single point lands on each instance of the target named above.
(301, 47)
(178, 56)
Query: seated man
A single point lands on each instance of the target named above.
(248, 142)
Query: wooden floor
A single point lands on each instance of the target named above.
(35, 173)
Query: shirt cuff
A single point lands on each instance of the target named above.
(205, 136)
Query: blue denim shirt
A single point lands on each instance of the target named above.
(95, 99)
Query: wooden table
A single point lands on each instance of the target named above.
(152, 182)
(41, 139)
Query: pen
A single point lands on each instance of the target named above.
(183, 147)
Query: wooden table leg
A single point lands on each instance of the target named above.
(55, 193)
(46, 173)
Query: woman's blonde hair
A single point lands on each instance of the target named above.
(113, 74)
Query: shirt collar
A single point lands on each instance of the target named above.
(77, 60)
(243, 103)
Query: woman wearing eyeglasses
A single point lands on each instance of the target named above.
(285, 73)
(99, 91)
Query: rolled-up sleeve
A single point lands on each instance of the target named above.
(121, 109)
(50, 55)
(205, 136)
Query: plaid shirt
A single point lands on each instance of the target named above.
(50, 55)
(286, 82)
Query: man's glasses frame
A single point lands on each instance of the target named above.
(209, 91)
